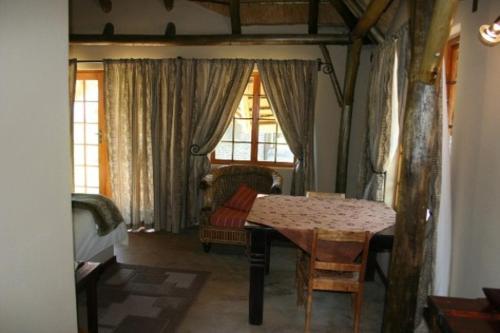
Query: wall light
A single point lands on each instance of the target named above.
(490, 34)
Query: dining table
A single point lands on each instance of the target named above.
(295, 217)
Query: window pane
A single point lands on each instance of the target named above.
(78, 133)
(79, 176)
(223, 151)
(79, 90)
(91, 113)
(79, 189)
(243, 130)
(280, 136)
(93, 190)
(242, 151)
(92, 155)
(91, 90)
(92, 134)
(249, 88)
(266, 152)
(267, 130)
(78, 112)
(93, 176)
(284, 154)
(79, 155)
(244, 108)
(228, 135)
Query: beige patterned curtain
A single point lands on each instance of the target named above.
(129, 87)
(380, 94)
(290, 86)
(71, 91)
(172, 119)
(219, 87)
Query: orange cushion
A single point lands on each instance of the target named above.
(228, 218)
(242, 199)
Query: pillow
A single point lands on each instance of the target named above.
(242, 199)
(228, 218)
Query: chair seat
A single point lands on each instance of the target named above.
(228, 218)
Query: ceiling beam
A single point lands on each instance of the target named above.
(370, 17)
(313, 16)
(344, 12)
(234, 10)
(189, 40)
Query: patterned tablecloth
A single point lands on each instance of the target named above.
(295, 217)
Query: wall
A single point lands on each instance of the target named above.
(36, 250)
(476, 157)
(126, 16)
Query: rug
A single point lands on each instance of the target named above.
(145, 299)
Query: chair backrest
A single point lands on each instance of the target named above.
(361, 237)
(227, 179)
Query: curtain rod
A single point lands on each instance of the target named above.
(322, 66)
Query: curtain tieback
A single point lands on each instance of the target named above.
(195, 150)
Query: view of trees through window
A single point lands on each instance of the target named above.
(253, 135)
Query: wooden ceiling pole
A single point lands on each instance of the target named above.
(313, 16)
(187, 40)
(344, 12)
(362, 27)
(419, 136)
(234, 10)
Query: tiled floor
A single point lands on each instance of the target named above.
(222, 305)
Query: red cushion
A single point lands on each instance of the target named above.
(228, 218)
(242, 199)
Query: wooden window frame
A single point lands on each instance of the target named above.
(104, 181)
(254, 135)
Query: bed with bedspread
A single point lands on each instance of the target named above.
(97, 226)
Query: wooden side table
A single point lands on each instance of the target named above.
(86, 279)
(461, 315)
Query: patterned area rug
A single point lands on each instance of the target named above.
(145, 299)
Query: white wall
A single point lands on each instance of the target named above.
(36, 242)
(150, 17)
(476, 157)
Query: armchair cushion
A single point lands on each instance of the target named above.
(242, 199)
(228, 218)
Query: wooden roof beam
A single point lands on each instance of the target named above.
(187, 40)
(234, 10)
(370, 17)
(344, 12)
(313, 16)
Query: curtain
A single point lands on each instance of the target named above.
(219, 87)
(71, 91)
(380, 95)
(172, 123)
(129, 87)
(290, 86)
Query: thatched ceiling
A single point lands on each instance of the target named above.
(289, 12)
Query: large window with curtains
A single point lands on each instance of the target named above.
(254, 135)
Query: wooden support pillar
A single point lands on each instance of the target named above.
(419, 137)
(313, 16)
(351, 74)
(370, 17)
(234, 10)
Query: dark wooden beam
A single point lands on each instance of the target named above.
(162, 40)
(420, 129)
(374, 34)
(353, 55)
(329, 69)
(170, 30)
(109, 29)
(234, 10)
(344, 12)
(370, 17)
(313, 16)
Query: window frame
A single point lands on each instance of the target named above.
(254, 136)
(104, 180)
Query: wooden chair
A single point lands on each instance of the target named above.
(313, 274)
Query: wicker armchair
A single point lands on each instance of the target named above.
(219, 186)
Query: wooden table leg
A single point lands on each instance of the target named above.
(92, 306)
(268, 252)
(257, 272)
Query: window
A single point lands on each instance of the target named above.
(89, 150)
(253, 135)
